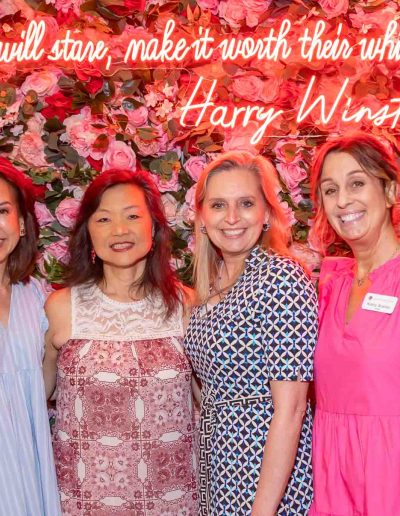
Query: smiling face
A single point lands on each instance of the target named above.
(234, 211)
(121, 228)
(354, 201)
(10, 221)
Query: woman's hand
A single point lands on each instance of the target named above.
(290, 401)
(259, 509)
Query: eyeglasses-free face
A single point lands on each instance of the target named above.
(234, 211)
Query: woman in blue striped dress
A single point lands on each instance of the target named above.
(28, 484)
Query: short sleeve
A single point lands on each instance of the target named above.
(290, 318)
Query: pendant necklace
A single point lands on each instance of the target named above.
(361, 281)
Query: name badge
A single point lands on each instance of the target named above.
(379, 303)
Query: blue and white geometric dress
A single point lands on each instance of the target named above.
(264, 329)
(28, 485)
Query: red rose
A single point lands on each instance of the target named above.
(129, 7)
(66, 18)
(97, 164)
(94, 85)
(58, 105)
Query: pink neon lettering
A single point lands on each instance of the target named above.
(325, 117)
(227, 117)
(140, 50)
(270, 47)
(376, 48)
(70, 49)
(314, 48)
(378, 118)
(200, 46)
(28, 48)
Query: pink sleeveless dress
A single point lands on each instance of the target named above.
(124, 431)
(356, 439)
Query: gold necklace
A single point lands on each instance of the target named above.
(361, 281)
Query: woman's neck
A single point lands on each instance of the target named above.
(117, 283)
(229, 270)
(4, 277)
(371, 256)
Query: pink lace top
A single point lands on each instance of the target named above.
(124, 430)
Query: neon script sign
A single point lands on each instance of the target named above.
(35, 46)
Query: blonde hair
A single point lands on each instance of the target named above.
(277, 238)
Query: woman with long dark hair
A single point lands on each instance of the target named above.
(123, 435)
(27, 476)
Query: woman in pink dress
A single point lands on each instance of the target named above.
(356, 441)
(123, 437)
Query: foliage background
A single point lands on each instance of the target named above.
(65, 124)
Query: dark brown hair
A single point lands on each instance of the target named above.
(21, 262)
(158, 275)
(373, 157)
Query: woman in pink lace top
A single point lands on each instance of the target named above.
(356, 441)
(123, 435)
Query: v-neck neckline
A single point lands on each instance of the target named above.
(6, 327)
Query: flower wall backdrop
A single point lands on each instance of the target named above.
(65, 122)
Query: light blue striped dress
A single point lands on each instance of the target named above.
(28, 485)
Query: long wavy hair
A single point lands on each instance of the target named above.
(21, 262)
(374, 158)
(158, 276)
(277, 238)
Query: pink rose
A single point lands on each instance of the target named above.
(254, 10)
(334, 8)
(170, 208)
(43, 83)
(291, 219)
(287, 150)
(211, 5)
(291, 173)
(239, 138)
(9, 7)
(191, 243)
(194, 166)
(138, 117)
(31, 150)
(188, 209)
(11, 115)
(249, 87)
(43, 214)
(65, 5)
(81, 133)
(67, 211)
(377, 19)
(309, 257)
(232, 11)
(167, 185)
(119, 155)
(296, 195)
(58, 250)
(147, 147)
(35, 123)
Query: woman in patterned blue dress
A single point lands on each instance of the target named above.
(251, 340)
(28, 485)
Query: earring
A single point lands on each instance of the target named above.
(266, 226)
(93, 256)
(22, 228)
(203, 230)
